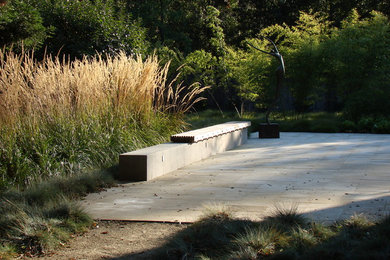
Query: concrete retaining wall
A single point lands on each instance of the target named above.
(152, 162)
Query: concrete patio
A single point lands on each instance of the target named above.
(327, 176)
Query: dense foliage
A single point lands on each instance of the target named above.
(74, 28)
(329, 68)
(336, 52)
(21, 21)
(60, 119)
(89, 91)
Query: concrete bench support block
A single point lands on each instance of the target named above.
(148, 163)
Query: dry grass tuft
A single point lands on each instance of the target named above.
(61, 121)
(99, 84)
(60, 118)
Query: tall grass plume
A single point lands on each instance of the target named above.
(59, 117)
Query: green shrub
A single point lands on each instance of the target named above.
(200, 66)
(359, 55)
(366, 124)
(348, 126)
(300, 125)
(342, 68)
(381, 126)
(87, 27)
(21, 22)
(325, 126)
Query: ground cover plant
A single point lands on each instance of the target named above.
(284, 235)
(45, 215)
(63, 125)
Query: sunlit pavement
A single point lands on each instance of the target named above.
(326, 176)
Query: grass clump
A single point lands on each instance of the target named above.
(44, 215)
(62, 118)
(62, 127)
(207, 238)
(35, 230)
(286, 217)
(259, 242)
(283, 235)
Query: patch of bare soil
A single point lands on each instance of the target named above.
(117, 240)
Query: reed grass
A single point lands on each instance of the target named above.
(59, 117)
(93, 85)
(61, 123)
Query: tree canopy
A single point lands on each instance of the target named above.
(336, 52)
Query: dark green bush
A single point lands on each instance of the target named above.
(325, 126)
(75, 28)
(87, 27)
(21, 21)
(365, 124)
(348, 126)
(334, 68)
(301, 125)
(381, 126)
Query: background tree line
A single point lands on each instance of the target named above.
(336, 52)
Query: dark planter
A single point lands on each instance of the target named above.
(269, 131)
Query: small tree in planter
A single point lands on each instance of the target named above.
(269, 130)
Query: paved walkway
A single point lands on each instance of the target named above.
(327, 176)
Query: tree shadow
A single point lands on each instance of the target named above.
(213, 236)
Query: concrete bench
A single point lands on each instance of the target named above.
(185, 148)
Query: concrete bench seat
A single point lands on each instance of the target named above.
(185, 148)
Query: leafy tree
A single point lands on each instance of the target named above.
(299, 46)
(358, 59)
(342, 68)
(21, 24)
(217, 39)
(200, 66)
(251, 71)
(87, 27)
(176, 24)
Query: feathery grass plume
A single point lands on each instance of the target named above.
(176, 98)
(60, 118)
(115, 83)
(61, 121)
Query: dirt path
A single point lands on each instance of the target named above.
(117, 240)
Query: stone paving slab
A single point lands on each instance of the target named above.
(327, 176)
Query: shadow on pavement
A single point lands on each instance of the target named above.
(375, 244)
